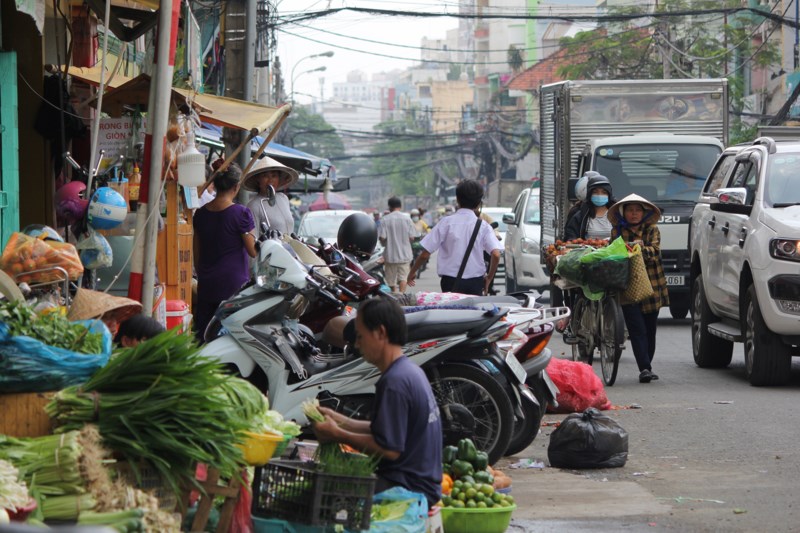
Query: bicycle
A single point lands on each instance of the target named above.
(599, 324)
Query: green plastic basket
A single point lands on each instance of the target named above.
(492, 520)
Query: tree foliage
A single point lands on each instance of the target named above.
(698, 46)
(409, 174)
(515, 60)
(311, 133)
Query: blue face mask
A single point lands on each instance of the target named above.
(599, 201)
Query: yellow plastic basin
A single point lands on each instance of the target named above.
(258, 448)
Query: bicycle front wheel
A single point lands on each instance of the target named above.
(612, 339)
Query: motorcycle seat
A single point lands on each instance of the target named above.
(434, 323)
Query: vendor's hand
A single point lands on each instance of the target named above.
(326, 431)
(411, 277)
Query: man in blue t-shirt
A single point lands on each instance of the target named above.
(405, 429)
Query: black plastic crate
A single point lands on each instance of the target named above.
(295, 491)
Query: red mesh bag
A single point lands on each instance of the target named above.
(579, 388)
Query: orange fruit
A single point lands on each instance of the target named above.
(17, 268)
(30, 265)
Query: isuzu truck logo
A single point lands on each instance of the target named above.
(673, 219)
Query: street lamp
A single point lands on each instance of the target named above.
(329, 53)
(318, 69)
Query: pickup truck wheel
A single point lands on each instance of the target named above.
(709, 351)
(768, 361)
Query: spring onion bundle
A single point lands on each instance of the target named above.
(164, 403)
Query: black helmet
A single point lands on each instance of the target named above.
(357, 234)
(598, 181)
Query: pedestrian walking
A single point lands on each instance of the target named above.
(634, 219)
(396, 233)
(462, 238)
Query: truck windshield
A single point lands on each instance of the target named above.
(658, 172)
(783, 180)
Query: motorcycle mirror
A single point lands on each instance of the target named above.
(271, 195)
(264, 228)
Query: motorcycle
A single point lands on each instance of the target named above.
(528, 344)
(271, 341)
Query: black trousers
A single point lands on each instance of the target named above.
(465, 286)
(642, 331)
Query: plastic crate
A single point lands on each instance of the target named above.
(295, 491)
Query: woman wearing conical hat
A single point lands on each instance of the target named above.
(264, 173)
(634, 219)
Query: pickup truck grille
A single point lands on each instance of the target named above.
(675, 260)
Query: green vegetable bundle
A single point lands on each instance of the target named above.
(164, 403)
(52, 329)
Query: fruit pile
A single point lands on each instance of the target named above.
(562, 247)
(469, 481)
(24, 254)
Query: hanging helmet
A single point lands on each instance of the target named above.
(357, 234)
(41, 231)
(598, 181)
(108, 209)
(415, 212)
(70, 206)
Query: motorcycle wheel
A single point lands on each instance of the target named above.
(482, 396)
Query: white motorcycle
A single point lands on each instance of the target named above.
(269, 344)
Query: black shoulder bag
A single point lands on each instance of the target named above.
(466, 255)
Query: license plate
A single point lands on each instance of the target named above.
(675, 280)
(516, 368)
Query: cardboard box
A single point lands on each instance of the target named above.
(22, 414)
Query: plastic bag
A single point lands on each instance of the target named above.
(412, 520)
(569, 265)
(588, 440)
(579, 388)
(29, 365)
(610, 273)
(616, 250)
(95, 252)
(23, 255)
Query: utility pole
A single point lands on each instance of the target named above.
(663, 46)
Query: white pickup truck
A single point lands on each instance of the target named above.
(744, 241)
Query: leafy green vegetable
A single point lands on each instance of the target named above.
(52, 329)
(385, 511)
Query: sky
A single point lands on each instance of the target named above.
(355, 30)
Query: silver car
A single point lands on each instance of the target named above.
(524, 269)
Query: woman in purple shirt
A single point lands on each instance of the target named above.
(223, 244)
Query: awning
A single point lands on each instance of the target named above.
(217, 110)
(92, 75)
(305, 163)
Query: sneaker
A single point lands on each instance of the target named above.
(653, 376)
(645, 376)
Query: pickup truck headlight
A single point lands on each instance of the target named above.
(786, 249)
(529, 246)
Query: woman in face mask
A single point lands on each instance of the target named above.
(589, 220)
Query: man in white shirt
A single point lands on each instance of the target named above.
(452, 236)
(396, 233)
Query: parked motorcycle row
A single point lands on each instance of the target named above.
(290, 332)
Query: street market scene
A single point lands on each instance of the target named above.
(287, 266)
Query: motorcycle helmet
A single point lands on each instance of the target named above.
(43, 232)
(108, 209)
(580, 185)
(70, 205)
(357, 234)
(598, 181)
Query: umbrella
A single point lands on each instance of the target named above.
(335, 201)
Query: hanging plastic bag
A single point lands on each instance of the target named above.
(29, 365)
(95, 252)
(33, 259)
(606, 268)
(398, 510)
(616, 250)
(588, 440)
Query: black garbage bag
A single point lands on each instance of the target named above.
(588, 440)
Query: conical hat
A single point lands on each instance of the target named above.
(288, 175)
(651, 212)
(89, 304)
